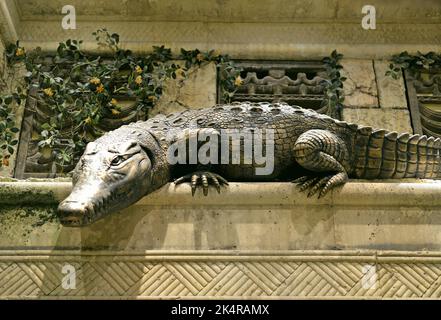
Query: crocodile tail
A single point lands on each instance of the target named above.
(384, 154)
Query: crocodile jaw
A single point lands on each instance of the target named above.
(89, 203)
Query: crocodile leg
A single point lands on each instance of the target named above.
(203, 178)
(324, 153)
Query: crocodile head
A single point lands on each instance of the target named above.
(110, 176)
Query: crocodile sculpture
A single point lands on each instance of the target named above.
(124, 165)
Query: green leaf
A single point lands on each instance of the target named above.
(46, 126)
(8, 100)
(115, 36)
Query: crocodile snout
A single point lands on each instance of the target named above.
(72, 213)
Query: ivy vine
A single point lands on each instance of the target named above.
(8, 128)
(79, 90)
(333, 93)
(414, 63)
(8, 102)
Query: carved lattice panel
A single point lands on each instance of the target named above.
(294, 82)
(424, 93)
(34, 161)
(116, 275)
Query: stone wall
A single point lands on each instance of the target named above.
(374, 99)
(254, 239)
(277, 29)
(297, 32)
(371, 98)
(196, 90)
(364, 240)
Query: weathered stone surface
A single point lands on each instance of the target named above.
(257, 216)
(363, 228)
(197, 90)
(390, 119)
(9, 21)
(360, 88)
(301, 30)
(391, 92)
(267, 240)
(234, 10)
(2, 64)
(187, 10)
(220, 274)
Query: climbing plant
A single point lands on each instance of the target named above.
(334, 95)
(8, 128)
(229, 73)
(8, 102)
(414, 63)
(80, 90)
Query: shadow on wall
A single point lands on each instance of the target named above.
(173, 228)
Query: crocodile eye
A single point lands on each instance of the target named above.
(118, 160)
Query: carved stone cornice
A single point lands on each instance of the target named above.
(9, 21)
(244, 29)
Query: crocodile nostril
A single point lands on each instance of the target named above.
(72, 209)
(70, 221)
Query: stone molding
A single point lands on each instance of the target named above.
(404, 192)
(243, 29)
(363, 193)
(248, 40)
(222, 274)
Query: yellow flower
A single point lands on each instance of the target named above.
(95, 81)
(180, 72)
(138, 80)
(215, 54)
(114, 111)
(152, 98)
(100, 88)
(48, 92)
(200, 57)
(138, 69)
(113, 101)
(238, 81)
(5, 161)
(19, 52)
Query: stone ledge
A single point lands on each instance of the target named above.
(404, 192)
(399, 215)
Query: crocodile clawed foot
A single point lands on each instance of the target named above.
(320, 185)
(202, 178)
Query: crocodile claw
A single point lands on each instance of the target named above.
(203, 178)
(320, 185)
